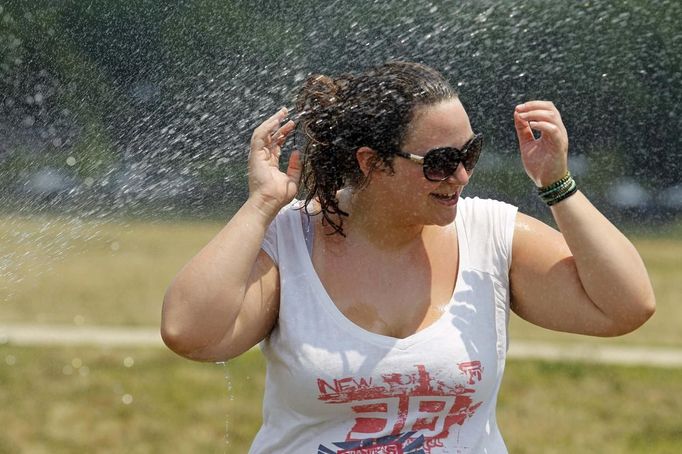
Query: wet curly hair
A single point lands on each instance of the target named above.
(371, 109)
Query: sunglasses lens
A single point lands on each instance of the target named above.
(472, 153)
(440, 164)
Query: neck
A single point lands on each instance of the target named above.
(374, 220)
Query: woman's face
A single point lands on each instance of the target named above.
(445, 124)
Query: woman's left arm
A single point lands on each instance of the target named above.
(588, 278)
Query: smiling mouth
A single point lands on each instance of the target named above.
(445, 197)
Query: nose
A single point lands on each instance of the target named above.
(459, 176)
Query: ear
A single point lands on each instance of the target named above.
(365, 156)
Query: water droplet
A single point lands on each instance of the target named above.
(71, 161)
(115, 246)
(84, 371)
(28, 121)
(11, 360)
(76, 363)
(128, 361)
(78, 320)
(127, 399)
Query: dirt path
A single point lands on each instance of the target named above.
(45, 335)
(79, 335)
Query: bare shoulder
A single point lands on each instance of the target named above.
(539, 252)
(536, 242)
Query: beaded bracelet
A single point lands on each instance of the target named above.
(556, 184)
(550, 197)
(559, 190)
(569, 192)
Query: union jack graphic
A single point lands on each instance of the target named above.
(391, 444)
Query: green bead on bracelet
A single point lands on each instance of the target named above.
(559, 190)
(556, 184)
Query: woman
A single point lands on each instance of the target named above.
(381, 301)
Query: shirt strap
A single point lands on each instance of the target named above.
(308, 231)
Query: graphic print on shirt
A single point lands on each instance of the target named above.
(402, 413)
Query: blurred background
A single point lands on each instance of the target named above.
(124, 131)
(147, 106)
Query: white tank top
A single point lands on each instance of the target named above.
(334, 387)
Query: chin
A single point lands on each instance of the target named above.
(444, 219)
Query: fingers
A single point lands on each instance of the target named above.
(275, 141)
(281, 134)
(544, 127)
(537, 115)
(263, 134)
(539, 111)
(540, 115)
(271, 123)
(295, 167)
(523, 129)
(536, 105)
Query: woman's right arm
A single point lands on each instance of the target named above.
(226, 298)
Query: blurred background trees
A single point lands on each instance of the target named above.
(147, 106)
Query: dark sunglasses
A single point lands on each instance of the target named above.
(438, 164)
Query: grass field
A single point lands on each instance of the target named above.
(68, 399)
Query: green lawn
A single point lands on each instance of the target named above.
(60, 271)
(65, 400)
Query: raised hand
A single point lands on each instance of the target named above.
(269, 187)
(545, 158)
